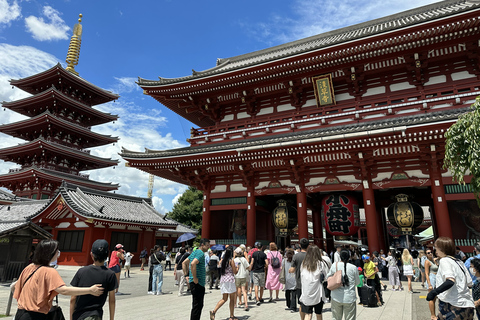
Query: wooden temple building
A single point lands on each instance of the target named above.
(51, 196)
(359, 111)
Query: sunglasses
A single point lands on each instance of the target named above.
(429, 253)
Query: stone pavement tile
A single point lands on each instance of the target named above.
(136, 304)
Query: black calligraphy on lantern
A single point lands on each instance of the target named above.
(338, 215)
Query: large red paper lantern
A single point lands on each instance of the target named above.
(341, 215)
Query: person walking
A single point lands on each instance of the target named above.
(178, 271)
(274, 261)
(312, 270)
(475, 270)
(157, 280)
(454, 298)
(150, 272)
(370, 271)
(228, 289)
(344, 298)
(213, 269)
(393, 274)
(407, 262)
(143, 257)
(296, 269)
(114, 263)
(196, 261)
(38, 284)
(88, 306)
(431, 268)
(421, 266)
(128, 263)
(241, 277)
(168, 260)
(259, 261)
(290, 283)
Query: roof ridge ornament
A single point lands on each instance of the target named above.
(74, 47)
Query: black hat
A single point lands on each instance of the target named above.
(258, 244)
(100, 248)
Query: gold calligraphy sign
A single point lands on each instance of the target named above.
(323, 87)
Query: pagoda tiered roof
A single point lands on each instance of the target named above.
(46, 122)
(38, 147)
(52, 99)
(59, 77)
(31, 174)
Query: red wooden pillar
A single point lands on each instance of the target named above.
(442, 218)
(302, 213)
(317, 228)
(206, 215)
(251, 217)
(371, 216)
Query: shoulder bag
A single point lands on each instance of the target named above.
(281, 278)
(335, 281)
(55, 312)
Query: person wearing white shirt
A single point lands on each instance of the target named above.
(336, 255)
(344, 298)
(453, 283)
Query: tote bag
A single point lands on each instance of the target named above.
(335, 281)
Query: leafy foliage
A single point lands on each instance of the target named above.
(188, 209)
(462, 148)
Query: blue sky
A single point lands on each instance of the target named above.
(123, 40)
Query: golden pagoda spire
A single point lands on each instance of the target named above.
(74, 47)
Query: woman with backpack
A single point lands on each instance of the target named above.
(344, 298)
(274, 259)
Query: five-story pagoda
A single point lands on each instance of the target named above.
(58, 130)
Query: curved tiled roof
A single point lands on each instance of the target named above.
(393, 22)
(294, 136)
(57, 176)
(21, 211)
(58, 71)
(55, 147)
(47, 116)
(112, 207)
(52, 93)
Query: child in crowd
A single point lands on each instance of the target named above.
(362, 280)
(128, 263)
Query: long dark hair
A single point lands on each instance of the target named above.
(312, 257)
(289, 253)
(44, 252)
(226, 259)
(345, 256)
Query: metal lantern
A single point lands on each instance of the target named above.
(405, 215)
(284, 217)
(341, 215)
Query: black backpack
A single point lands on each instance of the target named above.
(275, 262)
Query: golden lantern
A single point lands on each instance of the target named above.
(405, 215)
(284, 217)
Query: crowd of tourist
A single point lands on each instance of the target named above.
(308, 276)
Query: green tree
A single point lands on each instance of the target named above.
(462, 148)
(188, 209)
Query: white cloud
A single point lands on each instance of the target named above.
(9, 12)
(175, 200)
(52, 29)
(125, 85)
(315, 17)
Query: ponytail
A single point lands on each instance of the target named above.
(345, 256)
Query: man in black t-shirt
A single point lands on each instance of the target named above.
(295, 268)
(85, 306)
(257, 265)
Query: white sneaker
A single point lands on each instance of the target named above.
(150, 292)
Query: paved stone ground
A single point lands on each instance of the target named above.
(136, 304)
